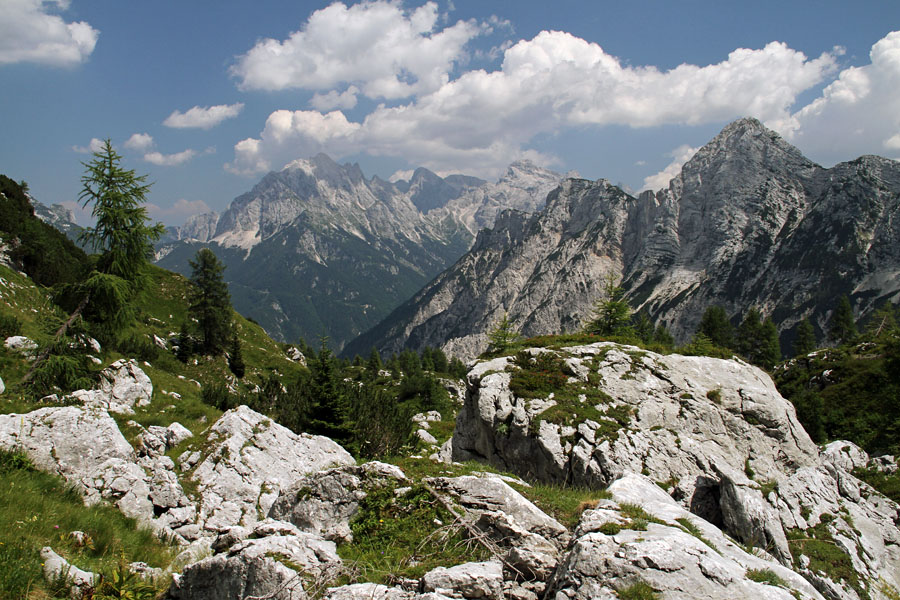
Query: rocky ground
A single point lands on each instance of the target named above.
(706, 487)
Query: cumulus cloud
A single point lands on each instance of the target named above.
(95, 145)
(334, 99)
(658, 181)
(385, 50)
(179, 211)
(140, 142)
(482, 120)
(170, 160)
(857, 113)
(203, 117)
(28, 33)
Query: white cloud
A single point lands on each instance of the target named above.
(401, 175)
(343, 100)
(659, 181)
(179, 211)
(140, 142)
(28, 33)
(385, 50)
(481, 121)
(858, 113)
(95, 145)
(170, 160)
(203, 117)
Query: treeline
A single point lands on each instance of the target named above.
(850, 391)
(366, 405)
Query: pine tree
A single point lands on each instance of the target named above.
(327, 400)
(502, 336)
(235, 357)
(770, 348)
(805, 339)
(121, 234)
(842, 328)
(662, 337)
(210, 303)
(124, 242)
(643, 327)
(611, 315)
(717, 327)
(749, 339)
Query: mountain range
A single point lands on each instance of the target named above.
(318, 249)
(749, 221)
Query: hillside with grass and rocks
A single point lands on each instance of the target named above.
(561, 468)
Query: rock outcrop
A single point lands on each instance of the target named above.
(714, 433)
(123, 386)
(325, 502)
(248, 459)
(275, 563)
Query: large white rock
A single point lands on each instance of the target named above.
(21, 344)
(259, 568)
(248, 460)
(70, 441)
(123, 386)
(469, 580)
(325, 502)
(610, 554)
(85, 447)
(55, 567)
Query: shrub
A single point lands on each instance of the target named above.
(9, 326)
(216, 395)
(139, 347)
(767, 576)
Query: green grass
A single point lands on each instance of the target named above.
(767, 576)
(563, 503)
(688, 526)
(536, 377)
(404, 536)
(824, 555)
(638, 591)
(885, 483)
(38, 509)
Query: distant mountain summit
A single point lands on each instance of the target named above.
(748, 222)
(318, 249)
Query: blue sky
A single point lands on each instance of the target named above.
(206, 96)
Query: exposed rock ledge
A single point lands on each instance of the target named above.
(715, 433)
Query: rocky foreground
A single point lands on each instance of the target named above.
(708, 487)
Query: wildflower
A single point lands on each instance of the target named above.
(56, 527)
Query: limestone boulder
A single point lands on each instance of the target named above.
(325, 502)
(275, 567)
(80, 583)
(367, 591)
(469, 580)
(490, 494)
(248, 460)
(70, 441)
(123, 386)
(21, 344)
(675, 553)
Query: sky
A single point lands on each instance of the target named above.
(206, 96)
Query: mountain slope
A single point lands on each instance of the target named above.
(748, 222)
(318, 249)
